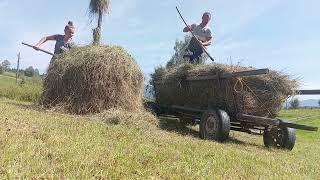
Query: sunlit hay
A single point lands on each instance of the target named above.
(92, 79)
(261, 95)
(138, 120)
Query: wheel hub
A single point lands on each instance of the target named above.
(211, 124)
(277, 137)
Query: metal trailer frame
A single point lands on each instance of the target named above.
(215, 123)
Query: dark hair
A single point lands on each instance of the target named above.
(69, 25)
(207, 14)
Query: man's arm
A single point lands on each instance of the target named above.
(189, 28)
(207, 43)
(208, 38)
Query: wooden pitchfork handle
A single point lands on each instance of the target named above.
(195, 36)
(39, 49)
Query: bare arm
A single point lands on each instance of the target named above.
(187, 28)
(43, 40)
(207, 43)
(208, 38)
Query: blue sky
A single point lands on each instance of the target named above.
(278, 34)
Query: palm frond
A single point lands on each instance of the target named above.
(98, 6)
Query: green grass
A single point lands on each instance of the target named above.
(29, 91)
(41, 144)
(6, 81)
(307, 117)
(10, 74)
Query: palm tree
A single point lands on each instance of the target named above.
(97, 8)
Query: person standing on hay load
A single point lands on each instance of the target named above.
(203, 33)
(63, 42)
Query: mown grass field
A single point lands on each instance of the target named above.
(6, 81)
(10, 74)
(29, 90)
(39, 144)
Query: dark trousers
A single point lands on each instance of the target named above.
(196, 52)
(194, 58)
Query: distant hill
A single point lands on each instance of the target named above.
(309, 103)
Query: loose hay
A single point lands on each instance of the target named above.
(137, 120)
(261, 95)
(92, 79)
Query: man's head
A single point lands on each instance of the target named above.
(206, 18)
(69, 29)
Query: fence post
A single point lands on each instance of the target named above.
(17, 72)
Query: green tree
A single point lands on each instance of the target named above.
(179, 50)
(97, 8)
(295, 103)
(36, 72)
(1, 69)
(6, 65)
(319, 102)
(29, 72)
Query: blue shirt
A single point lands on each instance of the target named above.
(62, 46)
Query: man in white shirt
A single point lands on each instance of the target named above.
(203, 33)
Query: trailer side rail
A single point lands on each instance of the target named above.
(263, 121)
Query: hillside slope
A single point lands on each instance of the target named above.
(39, 144)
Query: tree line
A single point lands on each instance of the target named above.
(295, 103)
(5, 66)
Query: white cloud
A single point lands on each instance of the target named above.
(229, 19)
(121, 10)
(148, 30)
(299, 60)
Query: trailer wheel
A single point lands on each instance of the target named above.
(282, 138)
(215, 125)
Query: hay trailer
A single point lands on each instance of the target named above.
(215, 123)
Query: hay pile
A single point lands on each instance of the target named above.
(92, 79)
(261, 95)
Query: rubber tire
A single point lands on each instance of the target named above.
(289, 138)
(222, 128)
(225, 125)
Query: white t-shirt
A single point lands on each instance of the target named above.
(202, 33)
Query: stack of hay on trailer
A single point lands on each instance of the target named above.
(260, 95)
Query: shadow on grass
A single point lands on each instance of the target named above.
(26, 105)
(233, 140)
(174, 125)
